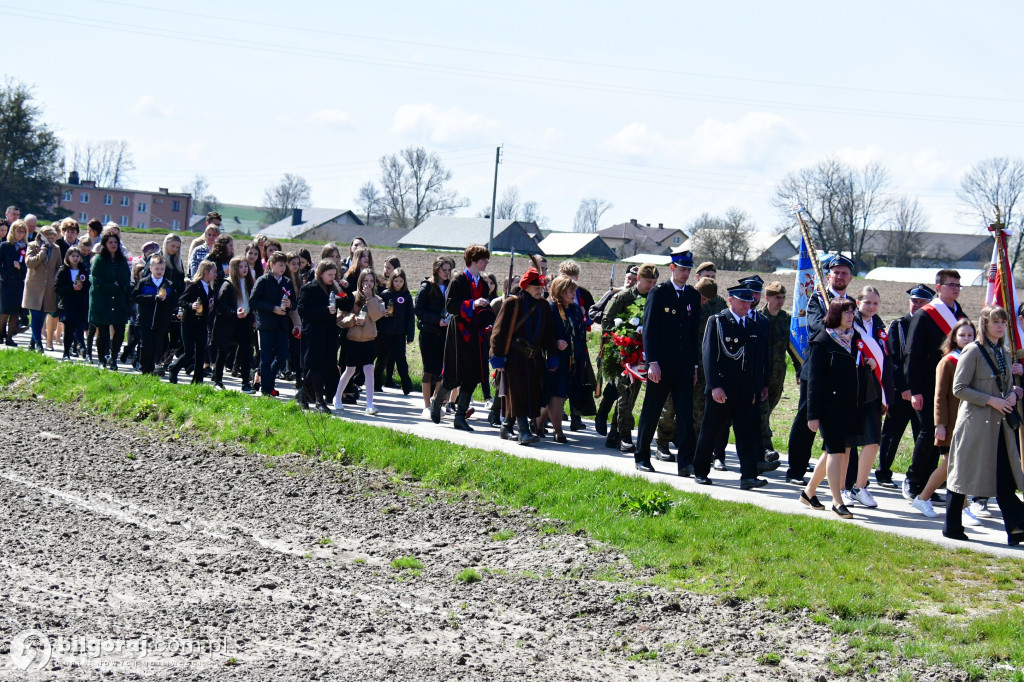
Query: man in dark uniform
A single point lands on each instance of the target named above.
(928, 329)
(900, 413)
(735, 380)
(778, 346)
(769, 460)
(671, 343)
(801, 438)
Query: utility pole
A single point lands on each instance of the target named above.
(494, 197)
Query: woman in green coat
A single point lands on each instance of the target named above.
(109, 305)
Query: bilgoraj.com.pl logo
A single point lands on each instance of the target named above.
(32, 650)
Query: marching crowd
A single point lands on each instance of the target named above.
(340, 326)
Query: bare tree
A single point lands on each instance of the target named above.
(907, 223)
(414, 187)
(371, 202)
(203, 200)
(530, 213)
(108, 162)
(511, 207)
(991, 185)
(589, 214)
(723, 240)
(291, 192)
(842, 204)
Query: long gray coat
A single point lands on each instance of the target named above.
(43, 263)
(972, 451)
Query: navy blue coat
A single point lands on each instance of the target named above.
(671, 329)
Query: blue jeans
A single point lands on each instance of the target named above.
(274, 348)
(38, 320)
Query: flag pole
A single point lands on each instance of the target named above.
(805, 232)
(1002, 266)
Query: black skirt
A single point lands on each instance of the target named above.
(360, 353)
(870, 425)
(432, 352)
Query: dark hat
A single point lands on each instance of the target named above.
(707, 287)
(741, 292)
(213, 215)
(839, 260)
(774, 289)
(530, 278)
(754, 283)
(150, 246)
(683, 259)
(633, 270)
(648, 271)
(706, 265)
(921, 291)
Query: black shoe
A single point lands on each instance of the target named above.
(962, 536)
(844, 513)
(461, 424)
(435, 409)
(612, 441)
(506, 433)
(645, 467)
(702, 480)
(796, 481)
(719, 465)
(763, 467)
(751, 483)
(663, 454)
(256, 387)
(527, 438)
(235, 372)
(322, 406)
(247, 387)
(219, 385)
(406, 386)
(576, 424)
(112, 365)
(771, 456)
(686, 471)
(173, 378)
(813, 502)
(627, 447)
(1014, 539)
(10, 342)
(300, 398)
(601, 425)
(886, 483)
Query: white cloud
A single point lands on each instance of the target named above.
(147, 105)
(428, 123)
(333, 118)
(754, 140)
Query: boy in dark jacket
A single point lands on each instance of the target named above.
(157, 301)
(274, 300)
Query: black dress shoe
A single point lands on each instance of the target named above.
(461, 424)
(612, 441)
(887, 483)
(962, 536)
(527, 438)
(719, 465)
(645, 467)
(771, 456)
(664, 454)
(702, 480)
(751, 483)
(576, 424)
(763, 467)
(796, 481)
(601, 425)
(686, 471)
(1014, 539)
(627, 447)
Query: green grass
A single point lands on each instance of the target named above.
(405, 562)
(907, 596)
(503, 535)
(468, 575)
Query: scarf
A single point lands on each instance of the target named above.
(844, 339)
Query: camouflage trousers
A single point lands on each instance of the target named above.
(623, 417)
(775, 385)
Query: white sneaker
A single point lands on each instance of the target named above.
(864, 497)
(980, 509)
(370, 411)
(925, 507)
(338, 405)
(425, 414)
(848, 499)
(970, 519)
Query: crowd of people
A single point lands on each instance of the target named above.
(338, 327)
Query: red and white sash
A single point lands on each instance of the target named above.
(953, 357)
(869, 346)
(941, 315)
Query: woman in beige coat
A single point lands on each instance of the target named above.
(43, 260)
(361, 345)
(983, 456)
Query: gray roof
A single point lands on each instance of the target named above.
(311, 218)
(954, 244)
(452, 232)
(641, 232)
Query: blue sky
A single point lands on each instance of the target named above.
(666, 110)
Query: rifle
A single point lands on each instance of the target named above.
(600, 348)
(805, 232)
(511, 260)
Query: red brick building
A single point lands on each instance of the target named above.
(126, 207)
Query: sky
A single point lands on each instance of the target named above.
(666, 110)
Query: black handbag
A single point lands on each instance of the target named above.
(1012, 418)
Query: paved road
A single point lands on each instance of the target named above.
(586, 450)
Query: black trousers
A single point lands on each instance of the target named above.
(238, 346)
(151, 342)
(681, 390)
(107, 345)
(926, 453)
(739, 411)
(193, 338)
(1010, 505)
(896, 419)
(801, 438)
(391, 355)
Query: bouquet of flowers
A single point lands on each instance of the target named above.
(624, 344)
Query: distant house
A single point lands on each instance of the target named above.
(126, 207)
(319, 225)
(451, 233)
(769, 251)
(576, 245)
(235, 218)
(632, 238)
(932, 249)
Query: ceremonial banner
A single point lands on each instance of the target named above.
(805, 284)
(998, 291)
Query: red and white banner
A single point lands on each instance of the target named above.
(634, 373)
(994, 294)
(870, 347)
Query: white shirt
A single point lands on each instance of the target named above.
(739, 318)
(158, 282)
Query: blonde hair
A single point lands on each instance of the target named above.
(202, 268)
(570, 268)
(560, 285)
(15, 226)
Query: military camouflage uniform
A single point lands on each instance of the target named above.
(778, 346)
(712, 307)
(623, 415)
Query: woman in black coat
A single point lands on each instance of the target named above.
(394, 331)
(197, 303)
(318, 311)
(233, 324)
(836, 369)
(432, 320)
(72, 287)
(566, 381)
(12, 279)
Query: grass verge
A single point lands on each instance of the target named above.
(898, 595)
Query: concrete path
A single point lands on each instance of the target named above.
(586, 450)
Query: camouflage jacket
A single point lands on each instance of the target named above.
(779, 344)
